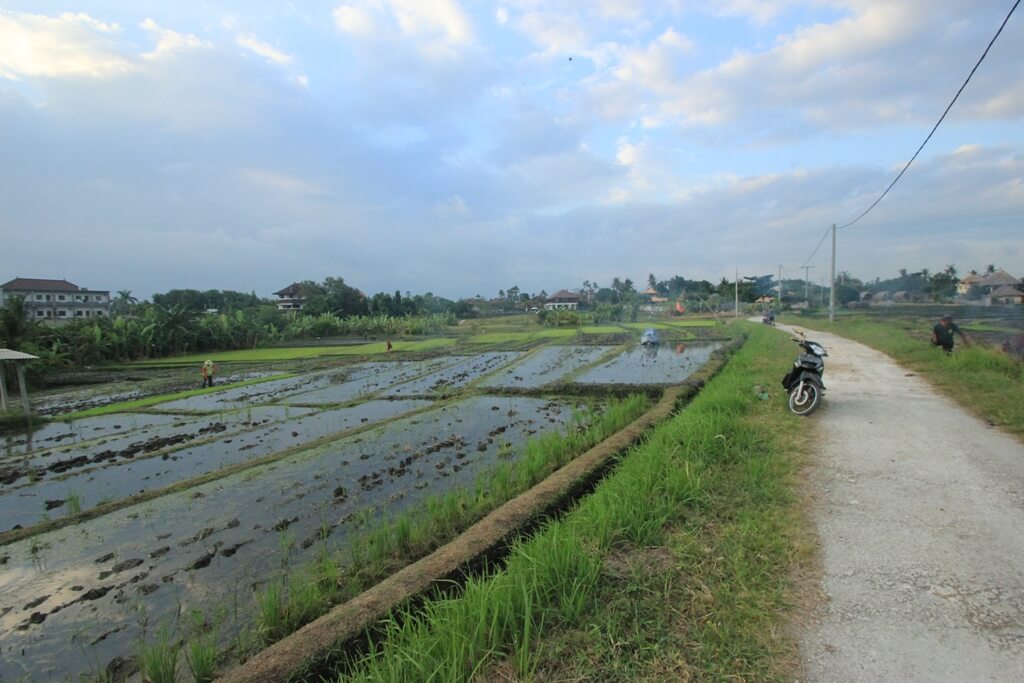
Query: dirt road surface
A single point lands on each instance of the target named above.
(920, 511)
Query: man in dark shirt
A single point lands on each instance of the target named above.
(942, 334)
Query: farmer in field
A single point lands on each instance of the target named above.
(209, 370)
(942, 334)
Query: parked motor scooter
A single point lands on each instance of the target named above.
(803, 382)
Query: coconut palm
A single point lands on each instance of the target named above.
(124, 304)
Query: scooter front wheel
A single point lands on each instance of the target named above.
(804, 398)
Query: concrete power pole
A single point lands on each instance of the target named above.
(832, 289)
(736, 313)
(780, 288)
(807, 296)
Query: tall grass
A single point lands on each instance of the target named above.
(201, 655)
(415, 533)
(710, 493)
(158, 660)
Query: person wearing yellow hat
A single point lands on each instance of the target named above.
(209, 370)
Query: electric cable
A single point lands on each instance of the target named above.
(950, 106)
(820, 242)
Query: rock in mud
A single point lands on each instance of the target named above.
(160, 552)
(340, 493)
(147, 588)
(56, 503)
(105, 558)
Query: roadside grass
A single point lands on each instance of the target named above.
(291, 601)
(983, 380)
(299, 352)
(677, 567)
(149, 401)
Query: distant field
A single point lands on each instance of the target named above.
(603, 329)
(508, 337)
(292, 353)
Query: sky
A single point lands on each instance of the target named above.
(462, 146)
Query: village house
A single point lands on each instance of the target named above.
(964, 286)
(994, 281)
(291, 298)
(56, 300)
(1007, 295)
(563, 300)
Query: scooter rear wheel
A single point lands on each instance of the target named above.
(804, 398)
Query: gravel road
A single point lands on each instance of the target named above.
(920, 512)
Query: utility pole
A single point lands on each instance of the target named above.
(736, 313)
(780, 288)
(832, 290)
(821, 291)
(807, 296)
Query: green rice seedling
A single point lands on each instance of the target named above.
(328, 573)
(159, 661)
(270, 612)
(74, 504)
(285, 543)
(304, 603)
(403, 533)
(201, 657)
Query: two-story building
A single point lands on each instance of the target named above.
(56, 300)
(563, 300)
(291, 298)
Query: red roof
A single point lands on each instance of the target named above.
(35, 284)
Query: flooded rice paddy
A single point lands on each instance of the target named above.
(287, 467)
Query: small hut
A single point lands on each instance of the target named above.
(17, 358)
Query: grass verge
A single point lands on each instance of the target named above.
(983, 380)
(149, 401)
(676, 568)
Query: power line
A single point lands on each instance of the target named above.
(980, 60)
(820, 242)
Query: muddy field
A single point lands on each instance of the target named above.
(237, 484)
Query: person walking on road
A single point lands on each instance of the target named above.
(942, 334)
(209, 370)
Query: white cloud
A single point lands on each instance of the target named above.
(265, 50)
(67, 45)
(454, 207)
(758, 11)
(501, 15)
(282, 182)
(169, 42)
(354, 19)
(439, 22)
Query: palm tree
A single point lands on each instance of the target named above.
(124, 303)
(15, 325)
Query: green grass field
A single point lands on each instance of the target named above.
(520, 336)
(298, 352)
